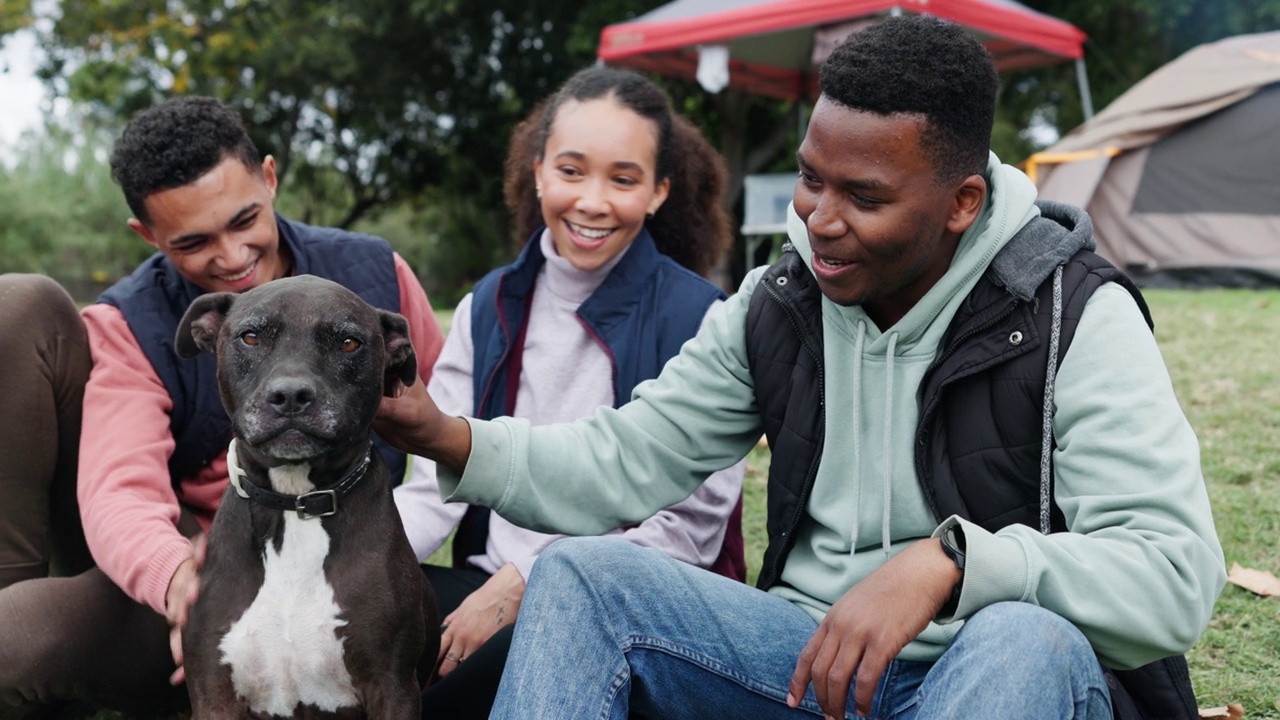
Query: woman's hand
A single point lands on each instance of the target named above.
(490, 608)
(411, 421)
(184, 588)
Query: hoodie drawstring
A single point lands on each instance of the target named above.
(887, 475)
(1046, 427)
(857, 434)
(888, 437)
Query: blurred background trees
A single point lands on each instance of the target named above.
(392, 117)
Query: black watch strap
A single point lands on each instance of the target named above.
(952, 540)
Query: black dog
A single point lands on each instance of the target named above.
(311, 601)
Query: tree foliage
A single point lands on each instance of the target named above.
(1128, 39)
(63, 216)
(395, 97)
(14, 15)
(395, 114)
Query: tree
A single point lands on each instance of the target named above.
(408, 104)
(366, 106)
(1128, 39)
(395, 97)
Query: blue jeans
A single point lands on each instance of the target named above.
(607, 629)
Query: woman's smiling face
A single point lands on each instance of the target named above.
(597, 180)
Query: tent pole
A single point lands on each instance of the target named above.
(1086, 100)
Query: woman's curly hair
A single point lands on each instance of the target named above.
(691, 227)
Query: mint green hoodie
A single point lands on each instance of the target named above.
(1138, 574)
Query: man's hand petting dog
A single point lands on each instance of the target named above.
(184, 588)
(484, 612)
(869, 625)
(410, 421)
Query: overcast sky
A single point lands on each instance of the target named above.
(21, 94)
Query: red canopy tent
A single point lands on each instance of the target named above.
(772, 48)
(773, 45)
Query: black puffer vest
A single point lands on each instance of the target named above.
(979, 437)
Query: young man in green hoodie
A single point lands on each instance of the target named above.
(982, 490)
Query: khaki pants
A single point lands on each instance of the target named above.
(67, 633)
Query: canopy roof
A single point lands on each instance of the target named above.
(772, 42)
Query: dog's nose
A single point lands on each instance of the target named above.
(290, 396)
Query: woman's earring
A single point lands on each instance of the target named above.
(648, 216)
(538, 191)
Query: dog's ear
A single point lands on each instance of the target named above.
(201, 323)
(402, 362)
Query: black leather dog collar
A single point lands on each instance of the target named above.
(321, 502)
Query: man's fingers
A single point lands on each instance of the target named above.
(178, 616)
(831, 676)
(869, 672)
(175, 647)
(804, 668)
(200, 549)
(181, 611)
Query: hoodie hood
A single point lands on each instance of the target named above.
(1041, 246)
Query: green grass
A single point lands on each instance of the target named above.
(1221, 349)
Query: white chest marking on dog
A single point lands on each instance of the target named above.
(285, 649)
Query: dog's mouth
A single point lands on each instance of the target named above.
(289, 442)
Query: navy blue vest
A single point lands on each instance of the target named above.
(642, 313)
(154, 297)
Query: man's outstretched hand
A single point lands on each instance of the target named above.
(870, 624)
(184, 588)
(411, 421)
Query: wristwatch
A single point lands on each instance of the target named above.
(952, 540)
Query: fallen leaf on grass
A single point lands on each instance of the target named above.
(1234, 711)
(1258, 581)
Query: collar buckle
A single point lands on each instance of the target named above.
(307, 509)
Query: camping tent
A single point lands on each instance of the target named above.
(1182, 173)
(772, 46)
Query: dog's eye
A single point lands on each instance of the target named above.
(249, 338)
(350, 345)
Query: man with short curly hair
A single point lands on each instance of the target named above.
(983, 498)
(110, 413)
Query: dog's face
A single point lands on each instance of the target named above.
(302, 363)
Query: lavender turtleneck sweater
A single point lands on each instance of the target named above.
(565, 375)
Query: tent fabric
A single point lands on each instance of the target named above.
(1201, 167)
(1179, 173)
(772, 41)
(1204, 79)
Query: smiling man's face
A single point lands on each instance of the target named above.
(219, 230)
(882, 228)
